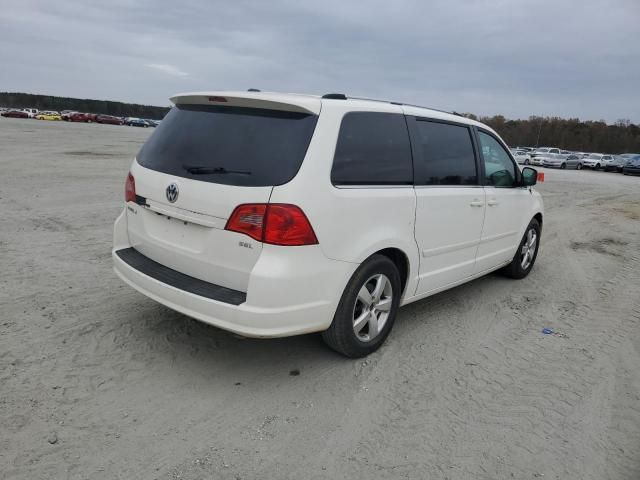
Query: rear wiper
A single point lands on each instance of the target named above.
(212, 170)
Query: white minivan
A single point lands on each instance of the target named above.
(271, 214)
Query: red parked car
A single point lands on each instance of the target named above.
(109, 119)
(15, 114)
(82, 117)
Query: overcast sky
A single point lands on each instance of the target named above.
(571, 58)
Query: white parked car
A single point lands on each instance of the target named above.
(521, 156)
(595, 160)
(31, 111)
(272, 214)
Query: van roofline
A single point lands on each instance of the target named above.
(303, 103)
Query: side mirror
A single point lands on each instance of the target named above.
(529, 176)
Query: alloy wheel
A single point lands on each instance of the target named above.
(528, 249)
(372, 307)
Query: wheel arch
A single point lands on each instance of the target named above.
(538, 217)
(402, 262)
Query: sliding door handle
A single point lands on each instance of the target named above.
(492, 203)
(477, 203)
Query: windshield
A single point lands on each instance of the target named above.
(542, 150)
(229, 145)
(594, 156)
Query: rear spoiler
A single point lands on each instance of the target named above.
(269, 101)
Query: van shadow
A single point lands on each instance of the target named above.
(182, 343)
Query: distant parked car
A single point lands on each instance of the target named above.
(15, 114)
(65, 114)
(48, 115)
(559, 160)
(522, 157)
(536, 156)
(593, 160)
(628, 156)
(614, 164)
(32, 112)
(136, 122)
(632, 167)
(82, 117)
(109, 119)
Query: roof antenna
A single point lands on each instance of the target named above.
(253, 90)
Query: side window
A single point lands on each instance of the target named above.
(499, 170)
(373, 149)
(447, 155)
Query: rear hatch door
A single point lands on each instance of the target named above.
(206, 158)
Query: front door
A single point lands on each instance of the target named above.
(506, 204)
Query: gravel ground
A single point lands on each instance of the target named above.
(99, 382)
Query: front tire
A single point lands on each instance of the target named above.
(563, 166)
(527, 252)
(597, 167)
(367, 309)
(579, 166)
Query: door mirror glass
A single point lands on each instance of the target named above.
(529, 176)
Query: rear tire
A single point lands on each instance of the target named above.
(527, 252)
(367, 309)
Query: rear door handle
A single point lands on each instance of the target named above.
(492, 203)
(476, 203)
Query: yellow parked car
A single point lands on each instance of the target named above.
(48, 116)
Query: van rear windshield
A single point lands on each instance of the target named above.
(229, 145)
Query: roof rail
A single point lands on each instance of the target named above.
(335, 96)
(402, 103)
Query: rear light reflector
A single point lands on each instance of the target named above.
(274, 223)
(130, 189)
(217, 99)
(248, 219)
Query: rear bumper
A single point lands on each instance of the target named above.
(292, 291)
(631, 170)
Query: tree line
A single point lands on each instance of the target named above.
(106, 107)
(569, 134)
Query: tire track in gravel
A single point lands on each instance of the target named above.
(531, 404)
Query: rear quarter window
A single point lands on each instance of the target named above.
(229, 145)
(373, 148)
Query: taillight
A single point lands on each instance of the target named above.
(130, 189)
(274, 223)
(288, 225)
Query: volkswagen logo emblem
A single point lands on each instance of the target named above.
(172, 192)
